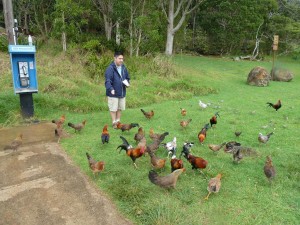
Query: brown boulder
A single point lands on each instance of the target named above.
(258, 76)
(279, 74)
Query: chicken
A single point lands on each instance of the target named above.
(123, 126)
(185, 123)
(139, 135)
(214, 185)
(15, 144)
(154, 136)
(275, 106)
(229, 146)
(168, 181)
(183, 112)
(60, 121)
(237, 133)
(105, 135)
(156, 162)
(269, 169)
(95, 166)
(202, 133)
(148, 115)
(77, 127)
(142, 143)
(170, 146)
(153, 146)
(264, 138)
(237, 154)
(216, 148)
(202, 105)
(58, 132)
(213, 120)
(176, 163)
(196, 162)
(133, 153)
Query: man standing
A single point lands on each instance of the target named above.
(116, 81)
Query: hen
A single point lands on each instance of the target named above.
(15, 144)
(59, 121)
(183, 112)
(237, 154)
(168, 181)
(133, 153)
(154, 136)
(264, 138)
(105, 135)
(139, 135)
(202, 133)
(95, 166)
(156, 162)
(170, 146)
(216, 148)
(123, 126)
(202, 105)
(176, 163)
(185, 123)
(58, 132)
(275, 106)
(148, 115)
(214, 185)
(269, 169)
(77, 127)
(229, 146)
(213, 120)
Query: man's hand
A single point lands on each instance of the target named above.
(112, 92)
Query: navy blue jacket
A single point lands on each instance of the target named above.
(113, 81)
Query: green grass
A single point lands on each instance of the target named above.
(245, 197)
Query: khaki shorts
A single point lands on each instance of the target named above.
(115, 104)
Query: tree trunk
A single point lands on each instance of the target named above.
(9, 20)
(108, 26)
(64, 38)
(118, 35)
(170, 41)
(131, 29)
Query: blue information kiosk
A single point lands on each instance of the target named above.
(22, 58)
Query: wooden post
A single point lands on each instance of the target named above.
(275, 48)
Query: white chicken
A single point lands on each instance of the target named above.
(170, 146)
(202, 105)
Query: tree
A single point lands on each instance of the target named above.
(184, 7)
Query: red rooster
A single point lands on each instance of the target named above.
(202, 133)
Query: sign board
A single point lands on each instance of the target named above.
(276, 40)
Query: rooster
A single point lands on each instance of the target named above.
(269, 169)
(168, 181)
(95, 166)
(15, 144)
(133, 153)
(77, 127)
(59, 121)
(105, 135)
(275, 106)
(185, 123)
(213, 120)
(139, 135)
(148, 115)
(214, 185)
(196, 162)
(183, 112)
(202, 133)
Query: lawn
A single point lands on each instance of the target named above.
(246, 196)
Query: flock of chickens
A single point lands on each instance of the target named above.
(145, 147)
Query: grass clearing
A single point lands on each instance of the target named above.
(245, 197)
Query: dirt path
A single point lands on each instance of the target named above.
(39, 184)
